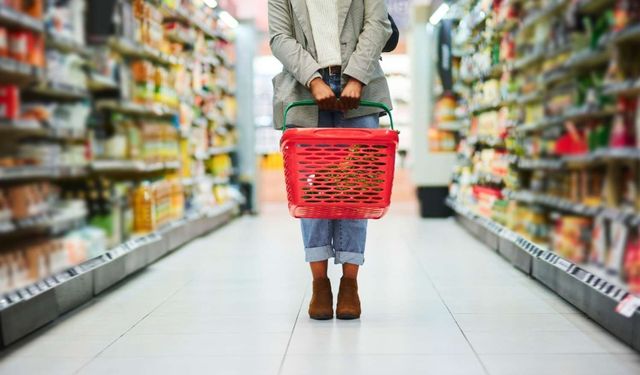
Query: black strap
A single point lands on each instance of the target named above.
(392, 43)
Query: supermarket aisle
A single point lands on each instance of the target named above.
(435, 301)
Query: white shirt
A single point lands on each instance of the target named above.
(326, 31)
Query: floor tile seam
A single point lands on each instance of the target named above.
(161, 303)
(537, 354)
(545, 354)
(293, 329)
(424, 269)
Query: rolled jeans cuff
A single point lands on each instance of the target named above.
(343, 257)
(318, 254)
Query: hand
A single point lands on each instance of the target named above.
(323, 95)
(350, 97)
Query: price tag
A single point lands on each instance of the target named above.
(13, 297)
(563, 264)
(628, 306)
(118, 251)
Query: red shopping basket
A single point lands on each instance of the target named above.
(339, 173)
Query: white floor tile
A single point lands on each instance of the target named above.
(407, 340)
(556, 364)
(529, 342)
(599, 334)
(178, 324)
(198, 345)
(60, 347)
(41, 366)
(348, 364)
(500, 322)
(219, 365)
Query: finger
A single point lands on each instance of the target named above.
(350, 104)
(327, 104)
(356, 103)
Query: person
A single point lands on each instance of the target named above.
(330, 50)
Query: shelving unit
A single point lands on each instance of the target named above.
(595, 293)
(24, 310)
(111, 133)
(548, 174)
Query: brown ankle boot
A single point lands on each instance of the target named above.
(321, 306)
(348, 300)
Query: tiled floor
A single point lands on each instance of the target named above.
(435, 302)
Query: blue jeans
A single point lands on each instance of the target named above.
(343, 240)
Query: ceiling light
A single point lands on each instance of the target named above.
(228, 19)
(211, 3)
(439, 14)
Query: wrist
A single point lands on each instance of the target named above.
(354, 81)
(314, 81)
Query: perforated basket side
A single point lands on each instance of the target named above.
(338, 177)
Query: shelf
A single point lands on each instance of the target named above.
(66, 44)
(541, 125)
(11, 17)
(220, 180)
(626, 88)
(27, 309)
(555, 76)
(485, 140)
(33, 128)
(126, 107)
(586, 113)
(133, 49)
(591, 292)
(483, 178)
(97, 82)
(221, 150)
(131, 166)
(179, 38)
(598, 156)
(529, 98)
(41, 172)
(630, 34)
(507, 25)
(594, 6)
(548, 164)
(454, 126)
(542, 14)
(201, 155)
(190, 181)
(561, 204)
(26, 127)
(629, 217)
(532, 59)
(60, 91)
(26, 173)
(17, 72)
(210, 60)
(588, 58)
(571, 114)
(485, 107)
(181, 15)
(52, 224)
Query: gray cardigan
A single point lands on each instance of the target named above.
(365, 28)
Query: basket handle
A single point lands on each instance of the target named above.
(363, 103)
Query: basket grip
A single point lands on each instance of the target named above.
(348, 132)
(363, 103)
